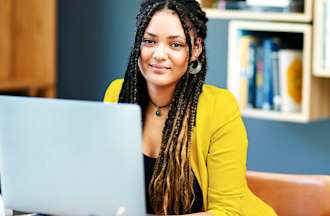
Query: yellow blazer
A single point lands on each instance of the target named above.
(218, 154)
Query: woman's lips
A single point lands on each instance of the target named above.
(159, 68)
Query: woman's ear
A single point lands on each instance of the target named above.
(197, 49)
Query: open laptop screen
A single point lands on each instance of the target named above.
(68, 157)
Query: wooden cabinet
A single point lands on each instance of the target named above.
(28, 47)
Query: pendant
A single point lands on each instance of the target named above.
(157, 113)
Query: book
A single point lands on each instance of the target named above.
(244, 42)
(251, 73)
(290, 68)
(207, 3)
(259, 91)
(232, 5)
(269, 3)
(276, 76)
(268, 76)
(275, 5)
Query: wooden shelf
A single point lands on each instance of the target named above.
(10, 85)
(30, 87)
(275, 115)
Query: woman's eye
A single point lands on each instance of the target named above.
(176, 45)
(148, 42)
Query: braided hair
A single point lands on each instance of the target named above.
(171, 186)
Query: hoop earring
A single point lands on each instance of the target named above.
(140, 66)
(195, 67)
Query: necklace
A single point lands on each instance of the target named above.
(157, 113)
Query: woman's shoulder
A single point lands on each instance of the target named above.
(113, 91)
(213, 94)
(217, 104)
(214, 90)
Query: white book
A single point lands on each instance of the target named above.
(268, 3)
(290, 69)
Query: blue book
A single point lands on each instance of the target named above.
(268, 76)
(251, 74)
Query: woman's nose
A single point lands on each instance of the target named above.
(159, 53)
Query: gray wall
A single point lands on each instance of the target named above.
(94, 44)
(94, 40)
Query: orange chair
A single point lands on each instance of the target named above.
(292, 195)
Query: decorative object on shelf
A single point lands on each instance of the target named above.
(290, 69)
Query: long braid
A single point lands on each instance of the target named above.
(171, 186)
(131, 85)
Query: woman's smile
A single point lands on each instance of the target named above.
(158, 68)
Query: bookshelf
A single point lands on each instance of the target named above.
(298, 28)
(28, 47)
(321, 55)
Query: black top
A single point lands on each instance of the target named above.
(149, 164)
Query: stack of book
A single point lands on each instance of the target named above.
(270, 78)
(276, 5)
(257, 5)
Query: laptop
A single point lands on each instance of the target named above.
(67, 157)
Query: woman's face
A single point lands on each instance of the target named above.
(164, 50)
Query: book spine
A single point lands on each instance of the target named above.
(276, 77)
(268, 83)
(259, 77)
(251, 74)
(244, 55)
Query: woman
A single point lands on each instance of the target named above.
(194, 139)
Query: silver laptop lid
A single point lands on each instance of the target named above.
(68, 157)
